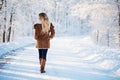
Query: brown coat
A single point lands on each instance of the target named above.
(43, 39)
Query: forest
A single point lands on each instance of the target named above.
(99, 19)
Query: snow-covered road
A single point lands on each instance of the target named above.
(70, 58)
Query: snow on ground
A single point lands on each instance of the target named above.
(7, 48)
(70, 58)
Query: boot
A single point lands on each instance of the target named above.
(43, 66)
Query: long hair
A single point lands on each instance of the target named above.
(45, 23)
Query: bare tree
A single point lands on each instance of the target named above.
(1, 4)
(119, 23)
(4, 30)
(9, 29)
(118, 1)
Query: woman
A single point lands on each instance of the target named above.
(43, 33)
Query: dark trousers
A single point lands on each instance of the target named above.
(42, 53)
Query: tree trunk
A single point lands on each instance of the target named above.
(119, 20)
(9, 34)
(97, 36)
(9, 29)
(2, 4)
(13, 35)
(119, 24)
(4, 30)
(4, 36)
(117, 1)
(108, 37)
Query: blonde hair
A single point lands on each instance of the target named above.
(45, 23)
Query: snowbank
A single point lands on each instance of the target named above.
(8, 48)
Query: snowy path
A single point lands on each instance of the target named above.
(68, 59)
